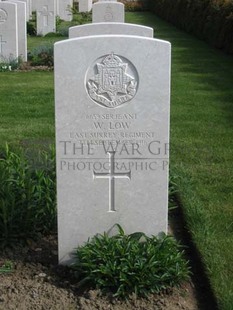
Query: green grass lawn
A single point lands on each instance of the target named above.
(201, 138)
(202, 147)
(34, 42)
(27, 108)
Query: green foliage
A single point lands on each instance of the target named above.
(63, 30)
(58, 21)
(42, 55)
(126, 264)
(31, 29)
(10, 64)
(7, 267)
(62, 27)
(31, 25)
(81, 18)
(78, 19)
(5, 67)
(53, 35)
(27, 196)
(211, 20)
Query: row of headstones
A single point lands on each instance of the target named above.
(46, 12)
(112, 89)
(59, 8)
(14, 15)
(13, 30)
(103, 11)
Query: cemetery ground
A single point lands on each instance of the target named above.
(201, 165)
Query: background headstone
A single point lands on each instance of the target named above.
(22, 28)
(84, 5)
(112, 129)
(108, 11)
(110, 28)
(28, 9)
(8, 31)
(45, 16)
(64, 9)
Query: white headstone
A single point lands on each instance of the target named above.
(28, 9)
(34, 5)
(22, 28)
(110, 28)
(64, 9)
(84, 5)
(8, 31)
(112, 132)
(108, 11)
(45, 16)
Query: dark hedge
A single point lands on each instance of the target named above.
(211, 20)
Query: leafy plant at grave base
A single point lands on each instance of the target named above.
(125, 264)
(42, 55)
(6, 267)
(10, 64)
(27, 196)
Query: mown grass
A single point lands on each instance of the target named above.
(201, 138)
(27, 108)
(202, 147)
(34, 42)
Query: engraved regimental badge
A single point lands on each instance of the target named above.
(3, 16)
(112, 81)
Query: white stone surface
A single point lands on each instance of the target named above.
(8, 31)
(84, 5)
(112, 97)
(110, 28)
(45, 16)
(34, 5)
(64, 9)
(28, 8)
(22, 28)
(108, 11)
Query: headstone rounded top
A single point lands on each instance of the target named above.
(112, 81)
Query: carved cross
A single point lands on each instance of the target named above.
(45, 13)
(1, 43)
(112, 175)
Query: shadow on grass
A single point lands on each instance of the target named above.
(204, 294)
